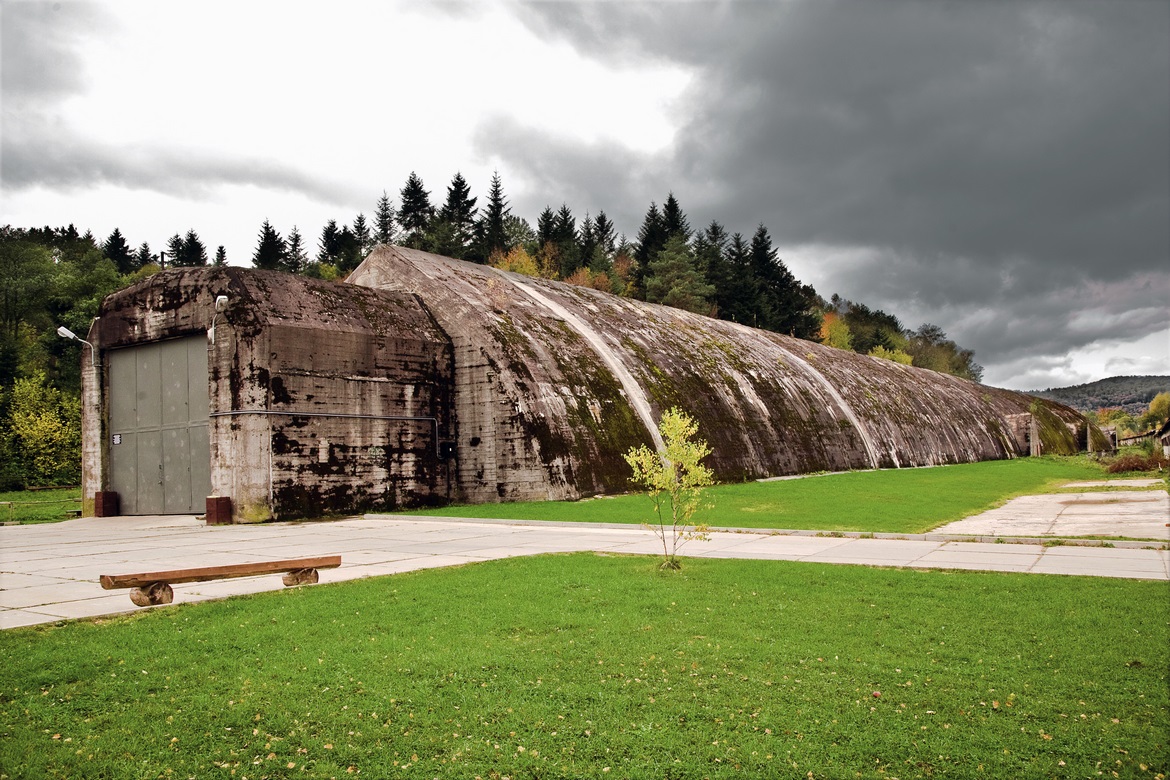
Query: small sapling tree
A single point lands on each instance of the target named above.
(675, 480)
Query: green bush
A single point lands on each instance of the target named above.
(41, 435)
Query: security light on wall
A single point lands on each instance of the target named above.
(221, 304)
(65, 333)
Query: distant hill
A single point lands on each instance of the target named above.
(1131, 393)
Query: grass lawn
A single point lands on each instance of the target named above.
(598, 666)
(38, 506)
(893, 501)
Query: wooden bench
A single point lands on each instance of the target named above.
(152, 588)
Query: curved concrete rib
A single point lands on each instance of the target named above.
(634, 392)
(842, 404)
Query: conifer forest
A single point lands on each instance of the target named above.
(58, 276)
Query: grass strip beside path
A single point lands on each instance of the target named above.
(890, 501)
(38, 506)
(598, 666)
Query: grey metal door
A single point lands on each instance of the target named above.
(160, 458)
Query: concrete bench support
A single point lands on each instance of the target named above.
(153, 588)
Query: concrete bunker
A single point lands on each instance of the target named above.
(425, 380)
(314, 397)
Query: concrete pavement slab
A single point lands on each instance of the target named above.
(951, 556)
(49, 573)
(13, 581)
(66, 590)
(877, 549)
(1131, 514)
(18, 618)
(87, 608)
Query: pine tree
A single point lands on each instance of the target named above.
(194, 253)
(651, 240)
(459, 213)
(296, 259)
(271, 252)
(587, 240)
(118, 251)
(565, 237)
(785, 305)
(474, 252)
(565, 226)
(415, 211)
(493, 221)
(361, 234)
(174, 252)
(738, 301)
(220, 257)
(442, 239)
(674, 220)
(710, 248)
(546, 225)
(672, 278)
(143, 257)
(384, 230)
(349, 253)
(605, 231)
(329, 246)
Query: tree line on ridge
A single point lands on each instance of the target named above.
(59, 276)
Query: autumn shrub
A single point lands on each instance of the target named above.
(896, 355)
(515, 260)
(1137, 461)
(583, 277)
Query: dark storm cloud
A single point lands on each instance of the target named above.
(992, 130)
(588, 177)
(988, 153)
(41, 66)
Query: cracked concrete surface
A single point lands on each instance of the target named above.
(50, 572)
(1130, 514)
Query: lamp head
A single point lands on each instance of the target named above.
(221, 303)
(65, 333)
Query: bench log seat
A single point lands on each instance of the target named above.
(153, 588)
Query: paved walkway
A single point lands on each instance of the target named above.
(50, 572)
(1132, 514)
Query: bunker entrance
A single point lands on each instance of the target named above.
(160, 456)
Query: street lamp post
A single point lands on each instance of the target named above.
(65, 333)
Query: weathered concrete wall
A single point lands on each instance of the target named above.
(539, 415)
(323, 397)
(554, 382)
(337, 397)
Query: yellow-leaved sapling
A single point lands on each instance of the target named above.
(674, 479)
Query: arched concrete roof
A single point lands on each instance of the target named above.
(555, 382)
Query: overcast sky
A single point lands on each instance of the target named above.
(999, 169)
